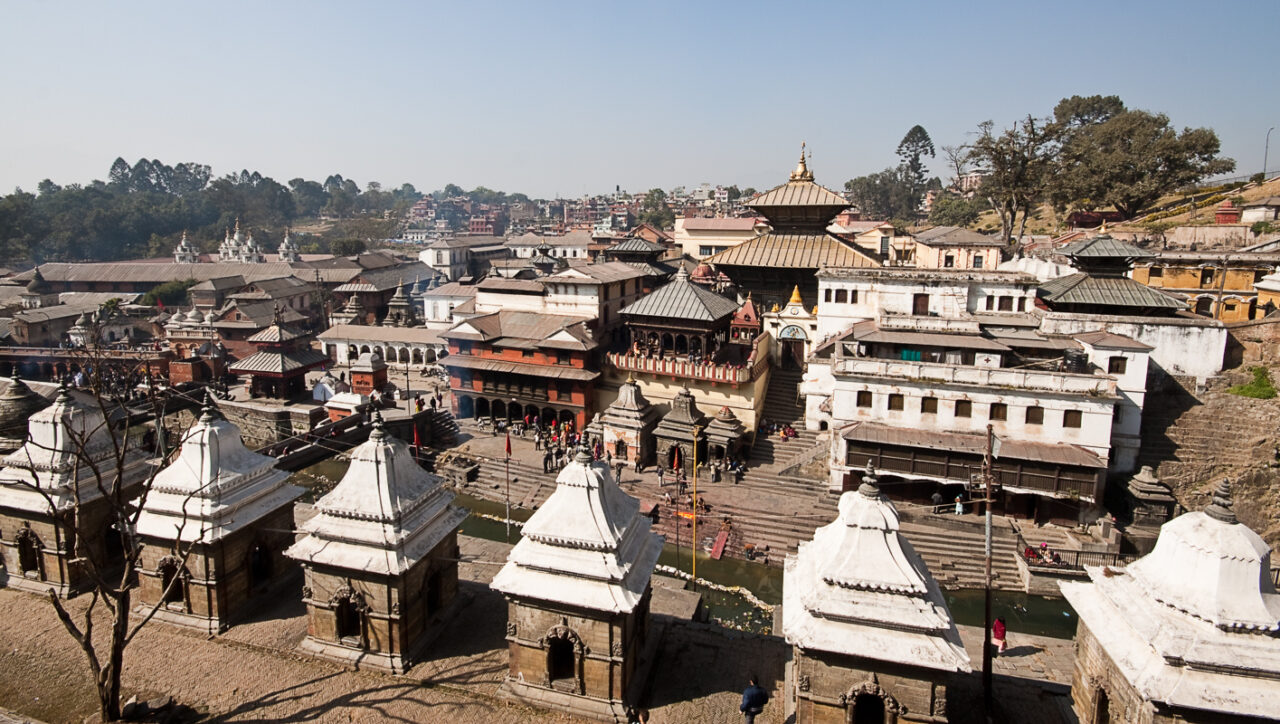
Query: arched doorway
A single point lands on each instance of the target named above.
(404, 356)
(466, 407)
(674, 457)
(567, 416)
(29, 553)
(560, 660)
(417, 356)
(868, 709)
(792, 339)
(515, 411)
(347, 621)
(682, 344)
(1204, 306)
(498, 410)
(172, 584)
(482, 408)
(1101, 707)
(431, 355)
(668, 343)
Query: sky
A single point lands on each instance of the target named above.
(565, 98)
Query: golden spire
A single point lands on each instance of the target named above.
(1104, 226)
(631, 378)
(795, 297)
(802, 172)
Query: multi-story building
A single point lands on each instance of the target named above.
(953, 247)
(1217, 284)
(574, 245)
(701, 238)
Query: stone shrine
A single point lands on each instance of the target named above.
(229, 511)
(675, 434)
(381, 559)
(626, 426)
(874, 640)
(1188, 633)
(51, 498)
(578, 590)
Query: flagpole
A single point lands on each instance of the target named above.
(694, 545)
(507, 517)
(986, 634)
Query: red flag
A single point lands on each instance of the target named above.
(160, 304)
(508, 443)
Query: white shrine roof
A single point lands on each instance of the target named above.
(587, 546)
(64, 439)
(859, 589)
(214, 487)
(1194, 623)
(385, 515)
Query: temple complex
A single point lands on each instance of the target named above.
(381, 559)
(578, 591)
(679, 436)
(1187, 633)
(50, 498)
(214, 527)
(874, 640)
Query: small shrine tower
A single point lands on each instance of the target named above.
(279, 368)
(626, 427)
(47, 537)
(578, 591)
(381, 559)
(874, 640)
(229, 511)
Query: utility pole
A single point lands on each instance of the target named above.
(986, 633)
(694, 546)
(1266, 149)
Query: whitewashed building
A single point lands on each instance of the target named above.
(873, 637)
(1188, 633)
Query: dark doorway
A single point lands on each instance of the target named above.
(620, 449)
(259, 565)
(1102, 708)
(1204, 306)
(171, 580)
(29, 555)
(347, 622)
(435, 593)
(868, 709)
(560, 660)
(920, 305)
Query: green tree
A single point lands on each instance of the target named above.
(654, 210)
(1019, 165)
(911, 150)
(734, 193)
(347, 247)
(173, 293)
(1128, 159)
(886, 194)
(955, 210)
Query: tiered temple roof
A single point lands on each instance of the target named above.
(587, 546)
(859, 589)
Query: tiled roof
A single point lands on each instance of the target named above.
(792, 251)
(1105, 291)
(1110, 340)
(220, 284)
(363, 333)
(603, 272)
(381, 280)
(278, 363)
(145, 273)
(532, 327)
(466, 242)
(636, 245)
(682, 299)
(954, 236)
(573, 238)
(276, 334)
(503, 284)
(452, 289)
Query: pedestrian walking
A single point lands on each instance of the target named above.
(936, 498)
(661, 482)
(617, 471)
(546, 462)
(753, 700)
(999, 634)
(959, 506)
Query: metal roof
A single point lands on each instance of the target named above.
(792, 251)
(278, 363)
(532, 326)
(1105, 291)
(799, 193)
(127, 272)
(974, 444)
(1111, 340)
(636, 246)
(955, 236)
(682, 299)
(600, 272)
(1102, 247)
(277, 334)
(928, 339)
(362, 333)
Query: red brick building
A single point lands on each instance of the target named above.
(509, 364)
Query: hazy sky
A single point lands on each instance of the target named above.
(569, 98)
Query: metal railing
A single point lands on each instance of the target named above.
(1069, 560)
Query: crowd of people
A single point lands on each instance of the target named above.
(784, 431)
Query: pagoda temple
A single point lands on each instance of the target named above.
(1188, 633)
(578, 591)
(874, 640)
(229, 512)
(626, 427)
(47, 536)
(1103, 286)
(797, 245)
(380, 557)
(279, 367)
(679, 431)
(680, 318)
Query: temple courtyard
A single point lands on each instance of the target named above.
(255, 672)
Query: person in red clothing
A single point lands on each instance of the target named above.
(998, 632)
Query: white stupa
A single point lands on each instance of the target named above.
(1193, 625)
(587, 546)
(859, 589)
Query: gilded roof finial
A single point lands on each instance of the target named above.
(1104, 226)
(795, 296)
(802, 172)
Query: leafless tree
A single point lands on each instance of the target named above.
(100, 461)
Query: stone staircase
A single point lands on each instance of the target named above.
(955, 556)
